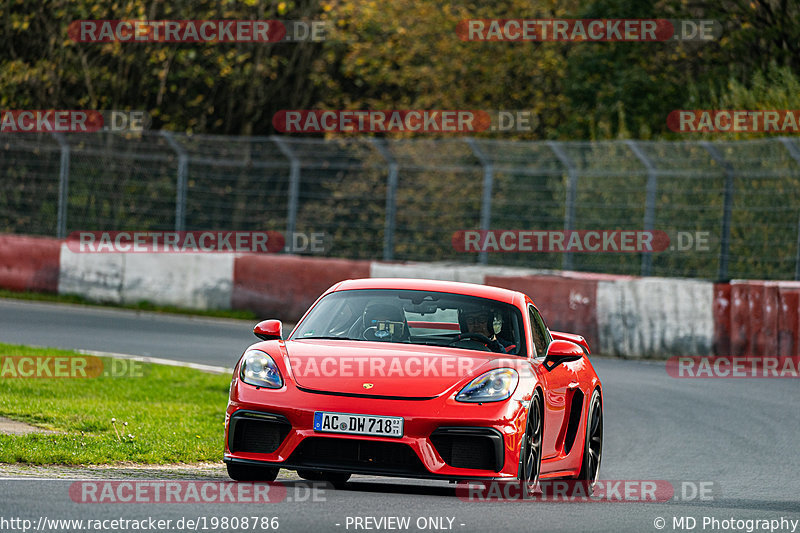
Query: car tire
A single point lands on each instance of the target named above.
(246, 472)
(337, 479)
(593, 444)
(530, 452)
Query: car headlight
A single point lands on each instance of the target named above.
(260, 370)
(492, 386)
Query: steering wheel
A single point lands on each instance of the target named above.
(370, 334)
(494, 346)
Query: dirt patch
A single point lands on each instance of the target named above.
(12, 427)
(206, 471)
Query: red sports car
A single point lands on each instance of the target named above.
(416, 378)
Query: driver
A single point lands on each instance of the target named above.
(480, 320)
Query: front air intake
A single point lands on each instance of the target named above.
(254, 432)
(470, 447)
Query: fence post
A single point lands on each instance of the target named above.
(569, 198)
(797, 254)
(391, 198)
(63, 186)
(294, 184)
(650, 201)
(182, 181)
(794, 153)
(727, 207)
(486, 198)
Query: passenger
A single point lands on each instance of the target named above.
(480, 320)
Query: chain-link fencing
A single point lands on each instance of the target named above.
(404, 199)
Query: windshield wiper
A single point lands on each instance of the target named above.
(426, 343)
(328, 337)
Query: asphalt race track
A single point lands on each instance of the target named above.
(739, 435)
(192, 339)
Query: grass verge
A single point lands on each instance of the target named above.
(139, 306)
(173, 414)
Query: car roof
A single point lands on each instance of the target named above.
(454, 287)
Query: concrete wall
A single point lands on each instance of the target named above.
(29, 263)
(654, 317)
(757, 318)
(195, 281)
(284, 286)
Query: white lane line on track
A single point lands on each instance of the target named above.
(128, 313)
(28, 478)
(157, 360)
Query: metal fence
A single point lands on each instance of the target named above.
(404, 199)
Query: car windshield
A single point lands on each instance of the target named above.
(416, 317)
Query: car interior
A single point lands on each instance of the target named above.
(415, 317)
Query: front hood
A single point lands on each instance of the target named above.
(381, 369)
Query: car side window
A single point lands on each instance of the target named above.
(539, 333)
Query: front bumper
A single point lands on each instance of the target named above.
(442, 438)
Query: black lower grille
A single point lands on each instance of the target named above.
(357, 455)
(477, 448)
(257, 434)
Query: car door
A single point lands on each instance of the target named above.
(558, 383)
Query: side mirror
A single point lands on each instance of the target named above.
(562, 352)
(268, 330)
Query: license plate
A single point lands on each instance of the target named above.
(381, 426)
